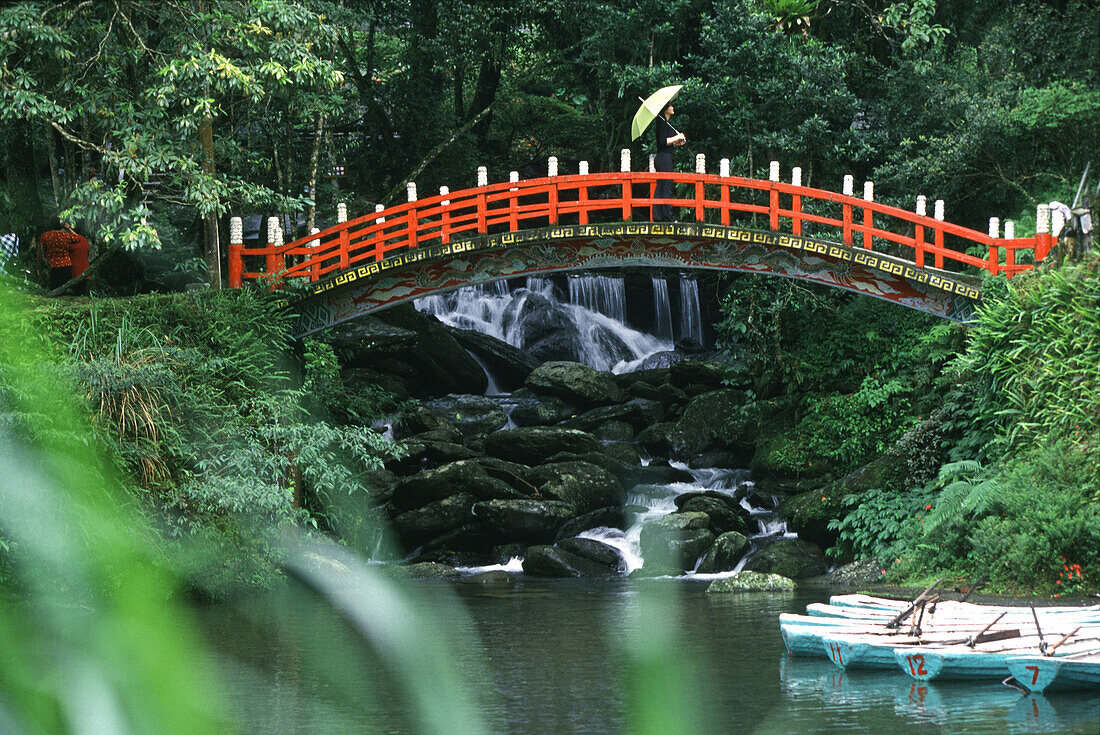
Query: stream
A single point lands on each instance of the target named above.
(547, 656)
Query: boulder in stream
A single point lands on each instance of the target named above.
(470, 414)
(677, 539)
(440, 365)
(713, 420)
(533, 444)
(509, 365)
(583, 485)
(751, 582)
(790, 557)
(416, 526)
(724, 554)
(527, 521)
(575, 383)
(554, 561)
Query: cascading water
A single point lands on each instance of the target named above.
(660, 500)
(662, 310)
(602, 294)
(691, 319)
(533, 318)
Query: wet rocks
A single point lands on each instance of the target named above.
(528, 521)
(724, 554)
(533, 444)
(676, 540)
(751, 582)
(790, 557)
(572, 560)
(509, 365)
(584, 486)
(469, 414)
(575, 383)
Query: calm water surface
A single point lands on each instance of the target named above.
(548, 656)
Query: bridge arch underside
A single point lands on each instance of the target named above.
(683, 246)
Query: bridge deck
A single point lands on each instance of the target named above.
(629, 197)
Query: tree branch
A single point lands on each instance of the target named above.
(435, 152)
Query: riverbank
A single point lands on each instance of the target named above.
(224, 431)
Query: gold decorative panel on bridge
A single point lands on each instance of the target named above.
(419, 272)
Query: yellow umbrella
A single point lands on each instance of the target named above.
(651, 107)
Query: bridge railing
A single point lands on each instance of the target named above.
(630, 196)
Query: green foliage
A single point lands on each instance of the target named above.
(1020, 521)
(1030, 364)
(211, 417)
(877, 523)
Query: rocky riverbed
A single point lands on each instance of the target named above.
(525, 474)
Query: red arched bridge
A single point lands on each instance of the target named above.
(590, 221)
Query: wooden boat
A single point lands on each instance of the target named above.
(849, 649)
(1042, 673)
(802, 634)
(931, 662)
(882, 603)
(946, 610)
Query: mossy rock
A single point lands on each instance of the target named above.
(752, 582)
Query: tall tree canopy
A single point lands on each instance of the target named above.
(131, 114)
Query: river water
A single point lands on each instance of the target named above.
(551, 656)
(595, 655)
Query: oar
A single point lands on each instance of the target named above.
(975, 639)
(974, 588)
(1066, 637)
(913, 606)
(1042, 643)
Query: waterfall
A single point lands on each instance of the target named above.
(602, 294)
(691, 319)
(589, 329)
(661, 309)
(660, 500)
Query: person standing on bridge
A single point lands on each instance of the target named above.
(668, 138)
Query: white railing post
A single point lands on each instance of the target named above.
(272, 228)
(1042, 219)
(513, 178)
(652, 163)
(444, 191)
(724, 167)
(582, 168)
(994, 227)
(939, 210)
(378, 208)
(236, 231)
(624, 160)
(1057, 219)
(700, 163)
(796, 176)
(773, 171)
(341, 212)
(410, 189)
(1010, 230)
(868, 191)
(482, 176)
(552, 166)
(849, 189)
(922, 205)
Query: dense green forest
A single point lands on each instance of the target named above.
(140, 119)
(149, 123)
(179, 443)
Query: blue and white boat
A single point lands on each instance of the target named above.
(1043, 673)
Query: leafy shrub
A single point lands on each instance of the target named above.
(877, 522)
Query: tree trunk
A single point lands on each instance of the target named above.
(55, 177)
(318, 131)
(23, 181)
(211, 245)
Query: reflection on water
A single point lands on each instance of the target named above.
(546, 656)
